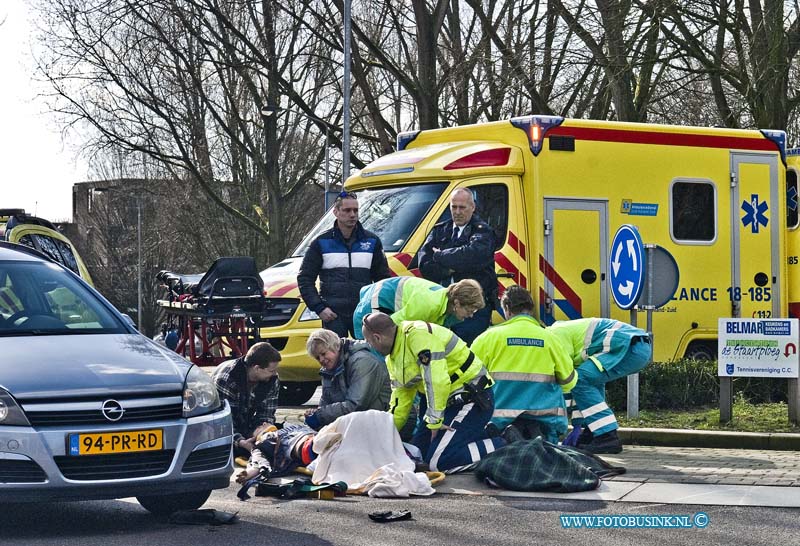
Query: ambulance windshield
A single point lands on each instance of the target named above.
(392, 213)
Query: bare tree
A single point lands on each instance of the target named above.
(183, 83)
(746, 50)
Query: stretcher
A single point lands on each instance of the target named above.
(215, 314)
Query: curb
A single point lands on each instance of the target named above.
(709, 439)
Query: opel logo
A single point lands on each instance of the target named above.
(112, 410)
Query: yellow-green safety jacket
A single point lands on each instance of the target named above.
(432, 360)
(604, 341)
(404, 298)
(530, 367)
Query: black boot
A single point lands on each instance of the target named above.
(585, 438)
(604, 443)
(512, 434)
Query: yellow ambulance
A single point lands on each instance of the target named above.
(722, 202)
(17, 226)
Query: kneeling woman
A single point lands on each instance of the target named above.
(353, 378)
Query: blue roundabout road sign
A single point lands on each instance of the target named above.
(627, 266)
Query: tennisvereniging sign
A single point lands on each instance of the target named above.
(758, 348)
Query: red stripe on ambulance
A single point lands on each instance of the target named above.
(561, 285)
(285, 289)
(665, 139)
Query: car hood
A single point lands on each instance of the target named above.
(88, 365)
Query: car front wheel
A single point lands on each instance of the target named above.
(164, 505)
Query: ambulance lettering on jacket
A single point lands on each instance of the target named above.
(525, 341)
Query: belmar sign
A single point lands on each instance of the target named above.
(758, 348)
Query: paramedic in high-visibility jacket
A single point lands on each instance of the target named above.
(412, 298)
(456, 399)
(531, 370)
(602, 350)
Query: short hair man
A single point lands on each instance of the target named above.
(344, 258)
(531, 370)
(412, 298)
(456, 399)
(353, 378)
(251, 386)
(463, 248)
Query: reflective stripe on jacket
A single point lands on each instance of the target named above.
(343, 269)
(427, 358)
(530, 368)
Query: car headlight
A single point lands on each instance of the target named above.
(199, 393)
(10, 412)
(308, 314)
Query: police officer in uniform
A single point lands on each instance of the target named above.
(456, 399)
(463, 248)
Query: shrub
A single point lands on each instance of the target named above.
(689, 384)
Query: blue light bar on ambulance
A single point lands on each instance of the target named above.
(535, 128)
(405, 138)
(779, 138)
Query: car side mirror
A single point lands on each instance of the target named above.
(129, 321)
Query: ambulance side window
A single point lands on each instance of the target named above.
(491, 204)
(792, 219)
(693, 212)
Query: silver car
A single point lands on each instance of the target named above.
(90, 408)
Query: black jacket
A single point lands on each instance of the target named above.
(471, 256)
(342, 269)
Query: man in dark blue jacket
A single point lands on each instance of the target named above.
(463, 248)
(345, 258)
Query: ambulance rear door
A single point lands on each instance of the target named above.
(756, 224)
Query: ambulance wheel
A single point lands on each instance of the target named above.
(701, 350)
(296, 393)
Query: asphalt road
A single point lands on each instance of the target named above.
(442, 519)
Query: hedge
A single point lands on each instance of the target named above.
(689, 384)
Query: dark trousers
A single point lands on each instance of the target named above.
(463, 446)
(471, 328)
(342, 324)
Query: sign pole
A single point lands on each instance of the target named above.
(640, 272)
(633, 380)
(725, 399)
(794, 402)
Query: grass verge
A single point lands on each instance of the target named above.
(747, 417)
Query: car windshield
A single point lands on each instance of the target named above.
(38, 298)
(391, 213)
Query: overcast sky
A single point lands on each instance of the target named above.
(38, 167)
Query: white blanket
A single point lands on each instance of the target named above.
(356, 445)
(388, 482)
